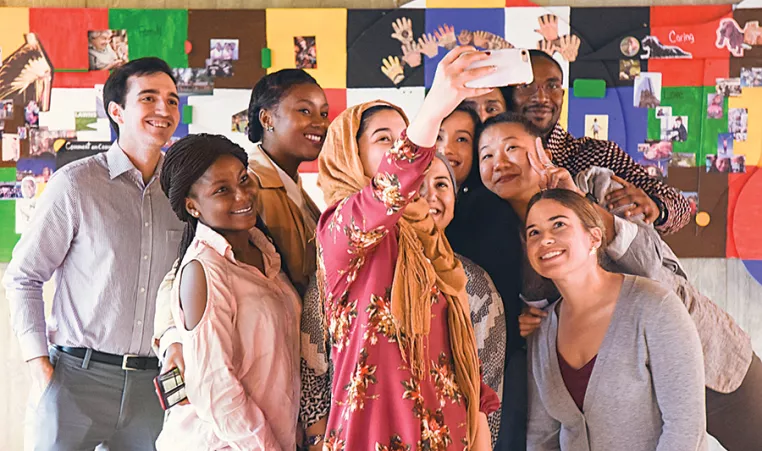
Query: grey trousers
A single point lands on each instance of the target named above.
(99, 406)
(735, 419)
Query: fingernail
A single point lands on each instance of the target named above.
(487, 52)
(609, 206)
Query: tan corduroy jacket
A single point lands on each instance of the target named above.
(294, 239)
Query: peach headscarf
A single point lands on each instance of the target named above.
(424, 259)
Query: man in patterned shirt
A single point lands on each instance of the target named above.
(541, 103)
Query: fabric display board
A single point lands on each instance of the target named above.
(679, 88)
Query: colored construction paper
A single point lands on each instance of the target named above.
(329, 26)
(154, 32)
(586, 88)
(247, 26)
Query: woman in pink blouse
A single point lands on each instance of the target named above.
(237, 313)
(406, 372)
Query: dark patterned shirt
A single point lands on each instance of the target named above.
(577, 155)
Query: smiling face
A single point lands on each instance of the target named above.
(456, 142)
(558, 243)
(487, 105)
(300, 121)
(377, 138)
(150, 114)
(503, 162)
(101, 40)
(439, 192)
(225, 196)
(542, 100)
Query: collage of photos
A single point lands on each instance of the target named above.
(193, 81)
(305, 52)
(714, 106)
(597, 126)
(655, 157)
(240, 122)
(6, 109)
(751, 77)
(647, 92)
(729, 87)
(629, 69)
(222, 53)
(738, 119)
(44, 143)
(107, 49)
(693, 201)
(735, 164)
(726, 160)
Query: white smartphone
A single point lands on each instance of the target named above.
(514, 67)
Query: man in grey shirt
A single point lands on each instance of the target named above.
(106, 231)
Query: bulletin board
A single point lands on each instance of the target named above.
(683, 86)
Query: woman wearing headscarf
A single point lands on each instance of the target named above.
(406, 371)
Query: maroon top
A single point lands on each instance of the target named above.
(576, 380)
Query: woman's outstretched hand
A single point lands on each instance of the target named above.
(447, 91)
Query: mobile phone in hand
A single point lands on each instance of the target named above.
(513, 67)
(170, 388)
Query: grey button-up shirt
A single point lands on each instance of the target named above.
(109, 239)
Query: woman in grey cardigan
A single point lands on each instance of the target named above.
(733, 373)
(618, 364)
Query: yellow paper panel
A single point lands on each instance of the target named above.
(14, 24)
(752, 147)
(328, 26)
(462, 4)
(564, 118)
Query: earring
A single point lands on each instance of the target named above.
(195, 214)
(593, 250)
(269, 128)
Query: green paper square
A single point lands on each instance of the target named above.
(585, 88)
(691, 102)
(8, 236)
(187, 114)
(154, 32)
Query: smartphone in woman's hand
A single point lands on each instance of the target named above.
(170, 388)
(514, 67)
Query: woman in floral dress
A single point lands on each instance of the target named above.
(406, 373)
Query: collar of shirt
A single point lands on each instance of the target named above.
(119, 163)
(293, 188)
(219, 244)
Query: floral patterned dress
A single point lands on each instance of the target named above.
(377, 403)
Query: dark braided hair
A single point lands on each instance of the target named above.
(269, 91)
(185, 162)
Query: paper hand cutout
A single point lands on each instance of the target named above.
(411, 54)
(548, 27)
(403, 30)
(393, 69)
(546, 46)
(569, 47)
(482, 38)
(428, 45)
(446, 37)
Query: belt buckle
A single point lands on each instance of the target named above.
(125, 359)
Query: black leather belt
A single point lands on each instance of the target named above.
(127, 362)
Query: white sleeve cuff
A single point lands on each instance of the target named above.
(33, 345)
(170, 337)
(625, 232)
